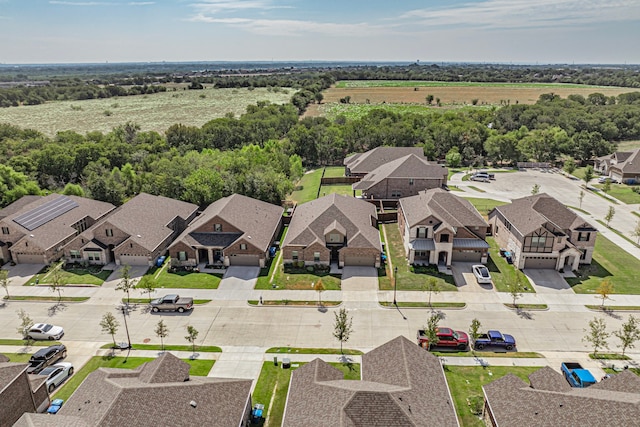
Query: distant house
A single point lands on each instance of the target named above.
(402, 177)
(20, 392)
(542, 233)
(604, 163)
(137, 233)
(402, 385)
(234, 230)
(34, 229)
(438, 227)
(627, 170)
(333, 229)
(361, 164)
(549, 400)
(158, 393)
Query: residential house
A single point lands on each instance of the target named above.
(603, 164)
(438, 227)
(234, 230)
(34, 229)
(20, 392)
(158, 393)
(403, 177)
(333, 229)
(549, 400)
(361, 164)
(628, 170)
(540, 232)
(137, 233)
(402, 385)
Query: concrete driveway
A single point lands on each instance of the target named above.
(239, 278)
(20, 274)
(465, 280)
(547, 281)
(360, 287)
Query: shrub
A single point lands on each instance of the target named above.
(476, 403)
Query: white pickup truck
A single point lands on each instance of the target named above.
(172, 302)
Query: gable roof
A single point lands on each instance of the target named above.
(311, 219)
(413, 392)
(630, 164)
(18, 205)
(410, 166)
(363, 163)
(452, 210)
(514, 402)
(256, 219)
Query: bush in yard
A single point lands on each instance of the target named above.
(476, 403)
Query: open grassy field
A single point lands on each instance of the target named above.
(622, 192)
(155, 112)
(628, 145)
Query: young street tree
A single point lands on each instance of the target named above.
(610, 213)
(110, 325)
(636, 232)
(597, 335)
(588, 175)
(4, 281)
(581, 197)
(431, 330)
(56, 279)
(342, 326)
(535, 189)
(25, 324)
(604, 290)
(192, 335)
(147, 285)
(126, 282)
(569, 166)
(629, 333)
(474, 329)
(432, 286)
(606, 187)
(319, 289)
(515, 290)
(162, 331)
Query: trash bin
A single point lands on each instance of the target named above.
(286, 363)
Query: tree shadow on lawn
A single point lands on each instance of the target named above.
(587, 272)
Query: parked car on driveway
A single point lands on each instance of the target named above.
(482, 274)
(45, 357)
(57, 374)
(44, 331)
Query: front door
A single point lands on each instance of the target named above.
(203, 256)
(442, 258)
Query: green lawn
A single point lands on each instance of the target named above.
(6, 341)
(609, 260)
(408, 277)
(198, 368)
(502, 272)
(185, 279)
(299, 279)
(74, 276)
(18, 357)
(467, 381)
(579, 173)
(484, 206)
(275, 380)
(52, 298)
(343, 189)
(296, 350)
(333, 171)
(307, 188)
(622, 192)
(265, 274)
(199, 348)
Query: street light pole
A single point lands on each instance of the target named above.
(395, 285)
(125, 311)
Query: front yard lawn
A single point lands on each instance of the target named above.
(185, 279)
(609, 261)
(299, 279)
(465, 383)
(502, 272)
(622, 192)
(75, 275)
(408, 278)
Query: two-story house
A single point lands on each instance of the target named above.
(361, 164)
(20, 392)
(541, 232)
(438, 227)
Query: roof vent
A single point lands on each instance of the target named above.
(139, 236)
(193, 403)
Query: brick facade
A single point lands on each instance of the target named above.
(394, 188)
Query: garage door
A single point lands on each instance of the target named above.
(133, 260)
(540, 262)
(360, 261)
(29, 259)
(467, 256)
(248, 260)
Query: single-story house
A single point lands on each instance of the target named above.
(603, 164)
(136, 233)
(333, 229)
(438, 227)
(541, 232)
(361, 164)
(403, 177)
(402, 385)
(35, 229)
(234, 230)
(20, 392)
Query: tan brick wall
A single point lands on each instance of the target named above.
(100, 234)
(131, 248)
(306, 254)
(359, 252)
(182, 247)
(14, 234)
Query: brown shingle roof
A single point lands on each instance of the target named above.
(47, 420)
(18, 205)
(630, 164)
(9, 371)
(410, 166)
(311, 219)
(363, 163)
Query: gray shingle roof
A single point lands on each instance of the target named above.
(311, 219)
(367, 162)
(46, 420)
(630, 164)
(18, 205)
(409, 166)
(402, 385)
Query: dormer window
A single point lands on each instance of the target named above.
(5, 230)
(109, 232)
(217, 227)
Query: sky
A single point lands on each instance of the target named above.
(502, 31)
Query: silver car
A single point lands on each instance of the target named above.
(57, 374)
(44, 331)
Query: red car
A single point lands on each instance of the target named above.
(447, 337)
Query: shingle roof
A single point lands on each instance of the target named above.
(18, 205)
(409, 166)
(253, 217)
(514, 402)
(9, 371)
(630, 164)
(402, 385)
(311, 219)
(47, 420)
(367, 162)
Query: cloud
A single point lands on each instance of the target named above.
(81, 3)
(141, 3)
(213, 7)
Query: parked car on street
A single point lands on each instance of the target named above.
(495, 339)
(44, 331)
(482, 274)
(45, 357)
(172, 302)
(447, 337)
(57, 374)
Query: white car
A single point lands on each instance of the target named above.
(44, 331)
(480, 176)
(482, 274)
(56, 374)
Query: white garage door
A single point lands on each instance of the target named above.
(133, 260)
(540, 262)
(359, 261)
(467, 256)
(247, 260)
(29, 259)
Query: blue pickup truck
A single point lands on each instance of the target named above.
(495, 339)
(576, 375)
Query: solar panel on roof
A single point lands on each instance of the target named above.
(45, 213)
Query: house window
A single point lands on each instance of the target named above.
(294, 255)
(396, 194)
(5, 230)
(94, 256)
(410, 181)
(316, 257)
(538, 241)
(74, 254)
(335, 238)
(444, 238)
(182, 256)
(422, 232)
(243, 246)
(109, 232)
(583, 237)
(217, 227)
(583, 255)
